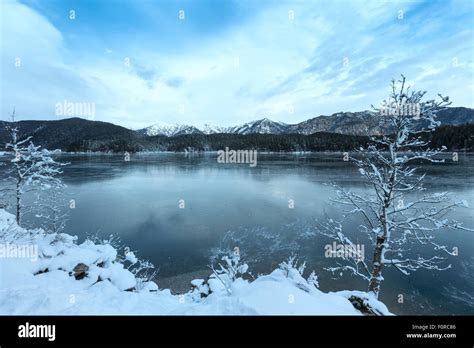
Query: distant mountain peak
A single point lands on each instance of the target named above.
(262, 126)
(212, 129)
(168, 129)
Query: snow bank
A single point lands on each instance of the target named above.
(365, 302)
(70, 278)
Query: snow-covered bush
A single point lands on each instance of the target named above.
(293, 271)
(230, 269)
(291, 265)
(313, 279)
(143, 270)
(199, 289)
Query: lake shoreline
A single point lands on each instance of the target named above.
(103, 153)
(181, 283)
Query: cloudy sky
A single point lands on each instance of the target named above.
(227, 62)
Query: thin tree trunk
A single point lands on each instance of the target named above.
(376, 276)
(18, 203)
(375, 279)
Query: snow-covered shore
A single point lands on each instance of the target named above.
(51, 274)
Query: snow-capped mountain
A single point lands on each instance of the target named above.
(211, 129)
(188, 130)
(263, 126)
(169, 130)
(353, 123)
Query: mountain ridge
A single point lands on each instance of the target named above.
(340, 131)
(350, 123)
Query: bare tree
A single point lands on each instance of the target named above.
(32, 168)
(396, 211)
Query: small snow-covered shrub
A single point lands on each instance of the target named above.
(313, 280)
(291, 265)
(230, 269)
(292, 270)
(143, 270)
(200, 289)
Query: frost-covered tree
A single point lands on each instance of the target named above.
(52, 208)
(32, 168)
(399, 216)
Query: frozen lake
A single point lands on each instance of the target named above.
(176, 210)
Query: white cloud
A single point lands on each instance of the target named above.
(288, 69)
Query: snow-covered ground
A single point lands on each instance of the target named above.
(43, 281)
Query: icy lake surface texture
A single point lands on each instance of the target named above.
(177, 210)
